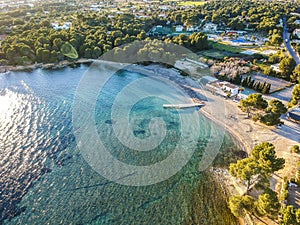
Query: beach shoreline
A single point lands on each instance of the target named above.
(245, 132)
(190, 202)
(225, 113)
(201, 93)
(248, 134)
(5, 69)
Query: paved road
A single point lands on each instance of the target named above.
(284, 95)
(287, 43)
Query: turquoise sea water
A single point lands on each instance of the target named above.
(45, 180)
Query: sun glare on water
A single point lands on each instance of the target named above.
(8, 102)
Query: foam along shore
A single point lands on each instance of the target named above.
(4, 69)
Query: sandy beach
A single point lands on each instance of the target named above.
(250, 133)
(226, 113)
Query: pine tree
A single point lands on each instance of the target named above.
(251, 83)
(269, 88)
(265, 89)
(264, 85)
(256, 85)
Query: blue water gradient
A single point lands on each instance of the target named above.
(45, 180)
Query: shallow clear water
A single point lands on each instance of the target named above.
(45, 180)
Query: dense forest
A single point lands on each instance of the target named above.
(30, 36)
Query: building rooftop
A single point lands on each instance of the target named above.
(230, 85)
(208, 79)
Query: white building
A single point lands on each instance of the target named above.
(164, 7)
(65, 26)
(296, 41)
(276, 68)
(210, 27)
(234, 90)
(179, 28)
(190, 29)
(162, 15)
(265, 39)
(280, 23)
(297, 22)
(142, 17)
(222, 88)
(297, 32)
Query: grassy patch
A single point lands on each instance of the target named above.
(216, 54)
(262, 66)
(226, 47)
(264, 48)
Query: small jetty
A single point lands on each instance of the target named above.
(197, 103)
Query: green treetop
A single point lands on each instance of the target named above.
(268, 204)
(295, 95)
(253, 102)
(295, 77)
(259, 166)
(287, 65)
(241, 205)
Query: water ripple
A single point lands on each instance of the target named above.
(44, 179)
(27, 134)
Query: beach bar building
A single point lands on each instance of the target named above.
(219, 87)
(294, 115)
(234, 90)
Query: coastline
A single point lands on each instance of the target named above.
(76, 183)
(5, 69)
(225, 113)
(237, 137)
(246, 132)
(249, 133)
(214, 110)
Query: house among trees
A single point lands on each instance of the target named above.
(179, 28)
(233, 89)
(297, 32)
(297, 22)
(228, 33)
(65, 26)
(159, 30)
(235, 32)
(210, 27)
(190, 29)
(222, 88)
(162, 15)
(276, 68)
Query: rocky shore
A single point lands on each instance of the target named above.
(4, 69)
